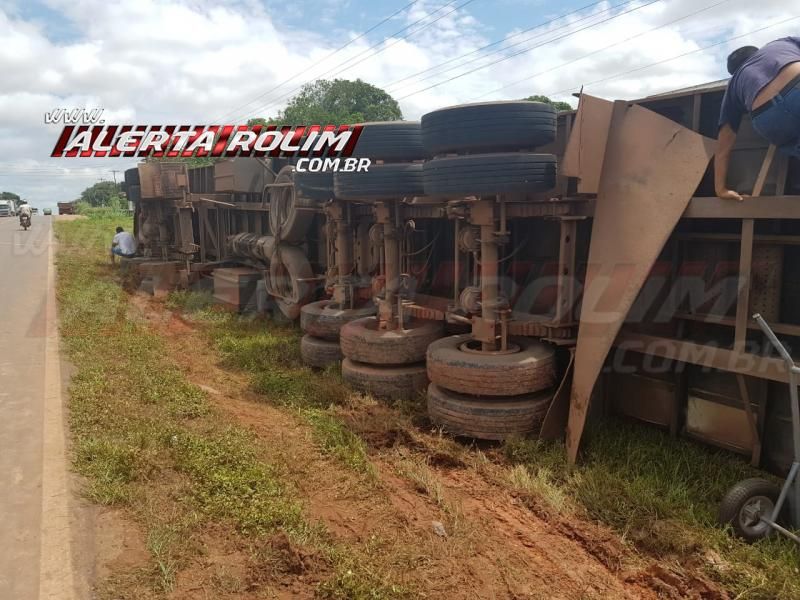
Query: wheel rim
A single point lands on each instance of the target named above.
(750, 515)
(283, 284)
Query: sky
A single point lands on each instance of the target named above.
(213, 61)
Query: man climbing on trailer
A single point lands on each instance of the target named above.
(766, 83)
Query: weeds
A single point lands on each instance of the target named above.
(147, 439)
(232, 483)
(272, 358)
(337, 440)
(425, 481)
(662, 494)
(134, 417)
(160, 541)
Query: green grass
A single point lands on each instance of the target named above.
(662, 494)
(271, 355)
(146, 439)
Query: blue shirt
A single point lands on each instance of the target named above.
(753, 76)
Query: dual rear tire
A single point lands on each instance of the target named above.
(490, 396)
(387, 364)
(493, 142)
(322, 323)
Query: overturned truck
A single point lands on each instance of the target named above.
(518, 266)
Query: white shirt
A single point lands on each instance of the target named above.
(126, 242)
(25, 209)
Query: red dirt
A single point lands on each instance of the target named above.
(495, 546)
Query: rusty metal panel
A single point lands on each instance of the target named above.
(651, 169)
(644, 398)
(236, 287)
(163, 180)
(246, 175)
(586, 147)
(716, 422)
(767, 273)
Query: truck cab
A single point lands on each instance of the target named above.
(7, 208)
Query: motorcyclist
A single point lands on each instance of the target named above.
(24, 211)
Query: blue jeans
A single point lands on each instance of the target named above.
(779, 120)
(116, 250)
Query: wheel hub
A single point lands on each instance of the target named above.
(475, 347)
(752, 511)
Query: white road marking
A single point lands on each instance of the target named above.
(56, 581)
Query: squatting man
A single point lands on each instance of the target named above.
(123, 244)
(766, 83)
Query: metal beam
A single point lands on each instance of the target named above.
(565, 298)
(704, 355)
(756, 207)
(755, 457)
(743, 296)
(764, 171)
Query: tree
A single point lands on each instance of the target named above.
(558, 104)
(102, 193)
(9, 196)
(340, 101)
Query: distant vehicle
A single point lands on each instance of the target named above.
(66, 208)
(47, 211)
(7, 208)
(34, 210)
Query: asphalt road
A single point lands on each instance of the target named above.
(35, 503)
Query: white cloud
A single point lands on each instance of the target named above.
(168, 61)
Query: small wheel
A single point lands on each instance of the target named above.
(319, 353)
(382, 381)
(321, 319)
(745, 503)
(362, 341)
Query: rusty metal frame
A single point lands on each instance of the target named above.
(705, 355)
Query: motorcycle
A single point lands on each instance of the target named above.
(25, 221)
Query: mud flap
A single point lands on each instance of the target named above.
(651, 168)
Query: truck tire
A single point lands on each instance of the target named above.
(391, 141)
(531, 369)
(319, 353)
(290, 214)
(392, 383)
(481, 174)
(488, 419)
(132, 176)
(314, 185)
(323, 321)
(134, 193)
(489, 127)
(381, 182)
(288, 266)
(363, 342)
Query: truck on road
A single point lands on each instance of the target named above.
(7, 208)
